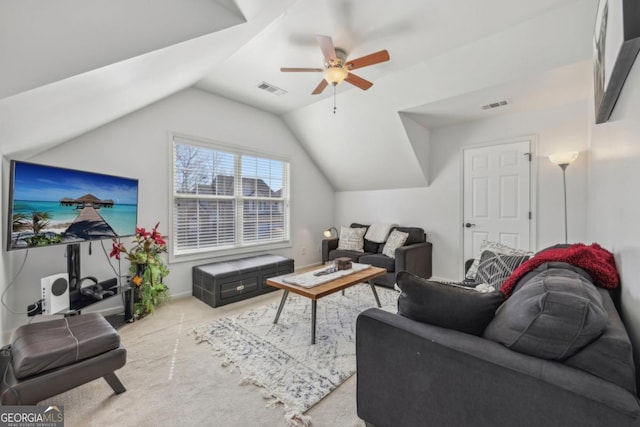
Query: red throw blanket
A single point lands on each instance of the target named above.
(595, 260)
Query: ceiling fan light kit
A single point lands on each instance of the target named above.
(335, 75)
(336, 69)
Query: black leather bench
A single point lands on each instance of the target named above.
(49, 358)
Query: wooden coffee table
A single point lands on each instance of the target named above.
(327, 288)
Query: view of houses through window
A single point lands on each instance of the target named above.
(227, 199)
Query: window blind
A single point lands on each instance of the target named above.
(227, 199)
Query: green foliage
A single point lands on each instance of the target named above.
(148, 269)
(149, 289)
(44, 240)
(39, 221)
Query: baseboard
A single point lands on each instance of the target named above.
(180, 295)
(308, 266)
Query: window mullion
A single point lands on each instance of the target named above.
(239, 199)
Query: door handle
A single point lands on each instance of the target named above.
(469, 225)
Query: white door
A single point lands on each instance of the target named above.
(497, 196)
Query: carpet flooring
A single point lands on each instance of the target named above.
(280, 358)
(173, 380)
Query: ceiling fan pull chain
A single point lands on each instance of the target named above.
(334, 99)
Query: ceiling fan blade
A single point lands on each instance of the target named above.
(318, 90)
(367, 60)
(358, 81)
(299, 70)
(326, 45)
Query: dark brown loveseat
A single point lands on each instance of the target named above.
(414, 256)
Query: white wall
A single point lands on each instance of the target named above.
(614, 200)
(137, 146)
(437, 208)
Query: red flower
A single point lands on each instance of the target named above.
(116, 249)
(141, 232)
(158, 238)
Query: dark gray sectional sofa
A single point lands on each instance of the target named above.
(414, 256)
(577, 371)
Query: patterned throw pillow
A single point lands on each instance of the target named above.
(352, 239)
(497, 248)
(396, 239)
(494, 268)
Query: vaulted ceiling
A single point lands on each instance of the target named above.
(70, 66)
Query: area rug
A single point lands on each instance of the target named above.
(280, 358)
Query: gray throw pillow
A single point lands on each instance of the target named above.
(351, 239)
(396, 240)
(497, 248)
(449, 306)
(494, 268)
(552, 316)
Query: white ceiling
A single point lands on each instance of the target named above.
(554, 88)
(411, 30)
(72, 66)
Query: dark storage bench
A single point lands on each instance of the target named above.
(225, 282)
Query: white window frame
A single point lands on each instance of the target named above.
(240, 247)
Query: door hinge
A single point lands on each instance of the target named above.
(529, 214)
(528, 156)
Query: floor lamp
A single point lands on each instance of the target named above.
(563, 160)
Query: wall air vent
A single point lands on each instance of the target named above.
(495, 104)
(272, 89)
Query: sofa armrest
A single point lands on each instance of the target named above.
(415, 258)
(411, 373)
(327, 246)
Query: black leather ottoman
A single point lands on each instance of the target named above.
(48, 358)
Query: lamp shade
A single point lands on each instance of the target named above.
(335, 75)
(564, 158)
(328, 232)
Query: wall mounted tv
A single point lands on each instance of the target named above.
(50, 205)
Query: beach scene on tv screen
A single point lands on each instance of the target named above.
(54, 206)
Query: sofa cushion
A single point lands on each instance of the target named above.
(494, 268)
(551, 316)
(494, 247)
(449, 306)
(597, 261)
(396, 239)
(379, 232)
(372, 247)
(352, 239)
(339, 253)
(609, 357)
(368, 245)
(551, 265)
(379, 260)
(42, 346)
(416, 234)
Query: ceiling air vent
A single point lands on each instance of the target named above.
(495, 104)
(271, 89)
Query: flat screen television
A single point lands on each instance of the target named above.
(50, 205)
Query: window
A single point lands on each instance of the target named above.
(227, 199)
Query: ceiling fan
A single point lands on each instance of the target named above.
(336, 67)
